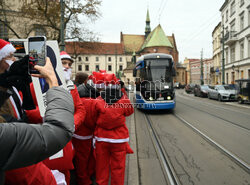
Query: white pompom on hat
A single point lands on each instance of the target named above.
(65, 55)
(6, 49)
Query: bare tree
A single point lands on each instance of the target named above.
(45, 14)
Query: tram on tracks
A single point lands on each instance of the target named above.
(154, 82)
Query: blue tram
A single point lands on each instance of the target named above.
(154, 81)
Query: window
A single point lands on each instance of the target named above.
(79, 67)
(222, 20)
(232, 8)
(227, 78)
(241, 2)
(227, 56)
(109, 68)
(79, 58)
(86, 67)
(249, 17)
(86, 59)
(109, 59)
(232, 54)
(96, 67)
(97, 59)
(248, 73)
(232, 77)
(241, 74)
(232, 26)
(249, 47)
(241, 50)
(120, 68)
(242, 21)
(3, 31)
(120, 59)
(226, 15)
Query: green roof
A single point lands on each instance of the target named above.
(157, 38)
(132, 43)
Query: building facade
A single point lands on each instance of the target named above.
(236, 25)
(195, 70)
(216, 69)
(95, 56)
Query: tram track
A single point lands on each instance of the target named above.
(167, 167)
(221, 118)
(239, 161)
(171, 162)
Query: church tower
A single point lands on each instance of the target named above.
(147, 28)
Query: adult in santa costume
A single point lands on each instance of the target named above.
(82, 139)
(25, 144)
(37, 174)
(111, 133)
(63, 161)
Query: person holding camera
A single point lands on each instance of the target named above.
(26, 144)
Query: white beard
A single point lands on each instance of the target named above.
(9, 62)
(67, 74)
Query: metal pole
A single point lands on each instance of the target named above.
(223, 56)
(62, 44)
(202, 82)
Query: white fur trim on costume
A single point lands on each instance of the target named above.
(65, 57)
(108, 140)
(82, 137)
(6, 50)
(100, 86)
(60, 177)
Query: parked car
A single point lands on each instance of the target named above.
(221, 92)
(189, 88)
(201, 90)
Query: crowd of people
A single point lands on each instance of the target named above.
(83, 128)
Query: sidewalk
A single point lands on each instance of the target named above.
(131, 173)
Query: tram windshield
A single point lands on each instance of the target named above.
(158, 74)
(158, 70)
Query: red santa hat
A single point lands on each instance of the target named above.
(98, 79)
(65, 55)
(6, 49)
(111, 81)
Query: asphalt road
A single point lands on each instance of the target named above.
(195, 159)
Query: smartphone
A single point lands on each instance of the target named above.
(37, 52)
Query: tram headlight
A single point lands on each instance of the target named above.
(168, 97)
(151, 98)
(166, 87)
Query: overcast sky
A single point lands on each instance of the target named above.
(191, 21)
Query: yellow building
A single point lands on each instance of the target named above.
(216, 69)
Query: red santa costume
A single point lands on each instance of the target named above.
(111, 134)
(37, 174)
(63, 160)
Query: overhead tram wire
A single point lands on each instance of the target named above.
(194, 34)
(163, 8)
(201, 28)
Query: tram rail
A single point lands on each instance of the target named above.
(167, 167)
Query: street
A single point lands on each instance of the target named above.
(204, 141)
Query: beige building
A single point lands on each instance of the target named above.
(236, 23)
(95, 56)
(216, 69)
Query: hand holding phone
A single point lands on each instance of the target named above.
(37, 53)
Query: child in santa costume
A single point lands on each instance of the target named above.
(82, 138)
(37, 174)
(111, 133)
(63, 160)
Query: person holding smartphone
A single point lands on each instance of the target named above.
(16, 149)
(64, 162)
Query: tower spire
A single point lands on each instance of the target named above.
(147, 28)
